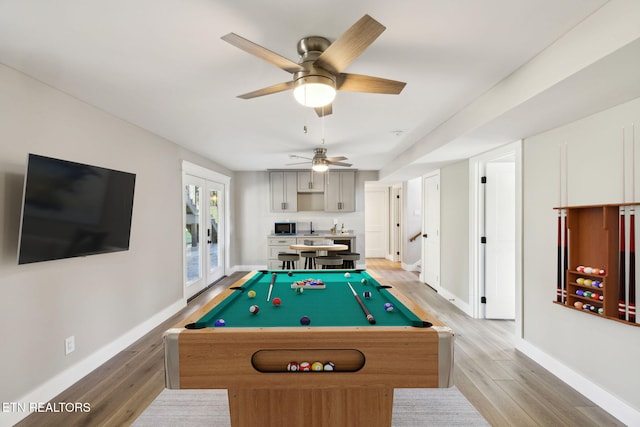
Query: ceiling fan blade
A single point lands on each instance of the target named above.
(336, 159)
(280, 87)
(324, 111)
(299, 163)
(337, 57)
(361, 83)
(262, 52)
(339, 164)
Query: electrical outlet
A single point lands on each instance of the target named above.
(69, 344)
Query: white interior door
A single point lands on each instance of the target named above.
(431, 231)
(376, 210)
(500, 232)
(204, 230)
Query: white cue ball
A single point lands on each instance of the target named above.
(347, 274)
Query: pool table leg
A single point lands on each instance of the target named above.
(362, 406)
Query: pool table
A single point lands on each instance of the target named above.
(251, 355)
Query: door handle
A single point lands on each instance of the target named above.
(424, 235)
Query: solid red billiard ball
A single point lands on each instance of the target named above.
(277, 301)
(254, 309)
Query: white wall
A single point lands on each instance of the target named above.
(454, 232)
(581, 347)
(106, 300)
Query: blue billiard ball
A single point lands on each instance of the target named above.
(220, 322)
(388, 306)
(305, 320)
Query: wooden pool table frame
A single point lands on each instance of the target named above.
(225, 358)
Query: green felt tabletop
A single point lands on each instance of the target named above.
(333, 306)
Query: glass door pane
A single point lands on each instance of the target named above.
(193, 259)
(214, 228)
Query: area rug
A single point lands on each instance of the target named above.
(411, 408)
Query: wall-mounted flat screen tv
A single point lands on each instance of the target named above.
(73, 209)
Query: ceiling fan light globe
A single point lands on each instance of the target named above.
(314, 91)
(318, 165)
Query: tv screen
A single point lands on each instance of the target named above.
(72, 209)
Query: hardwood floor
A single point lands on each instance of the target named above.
(506, 387)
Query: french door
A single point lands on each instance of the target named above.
(203, 233)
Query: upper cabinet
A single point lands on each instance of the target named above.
(340, 191)
(310, 182)
(284, 191)
(308, 191)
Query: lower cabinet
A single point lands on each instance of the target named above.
(274, 247)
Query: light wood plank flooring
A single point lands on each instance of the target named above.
(506, 387)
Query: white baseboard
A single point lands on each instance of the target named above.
(71, 375)
(623, 412)
(453, 299)
(412, 267)
(247, 268)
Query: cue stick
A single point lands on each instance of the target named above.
(622, 283)
(559, 282)
(369, 316)
(632, 266)
(566, 255)
(273, 280)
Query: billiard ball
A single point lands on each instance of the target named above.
(347, 274)
(579, 292)
(254, 309)
(305, 366)
(588, 282)
(277, 301)
(577, 304)
(600, 310)
(363, 281)
(220, 322)
(580, 281)
(251, 294)
(388, 306)
(299, 290)
(588, 270)
(305, 320)
(580, 268)
(329, 366)
(293, 366)
(366, 294)
(317, 366)
(602, 272)
(290, 273)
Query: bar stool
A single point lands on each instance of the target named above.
(329, 261)
(310, 259)
(349, 258)
(288, 260)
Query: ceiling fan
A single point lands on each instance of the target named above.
(320, 71)
(320, 162)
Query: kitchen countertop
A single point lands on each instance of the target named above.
(325, 234)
